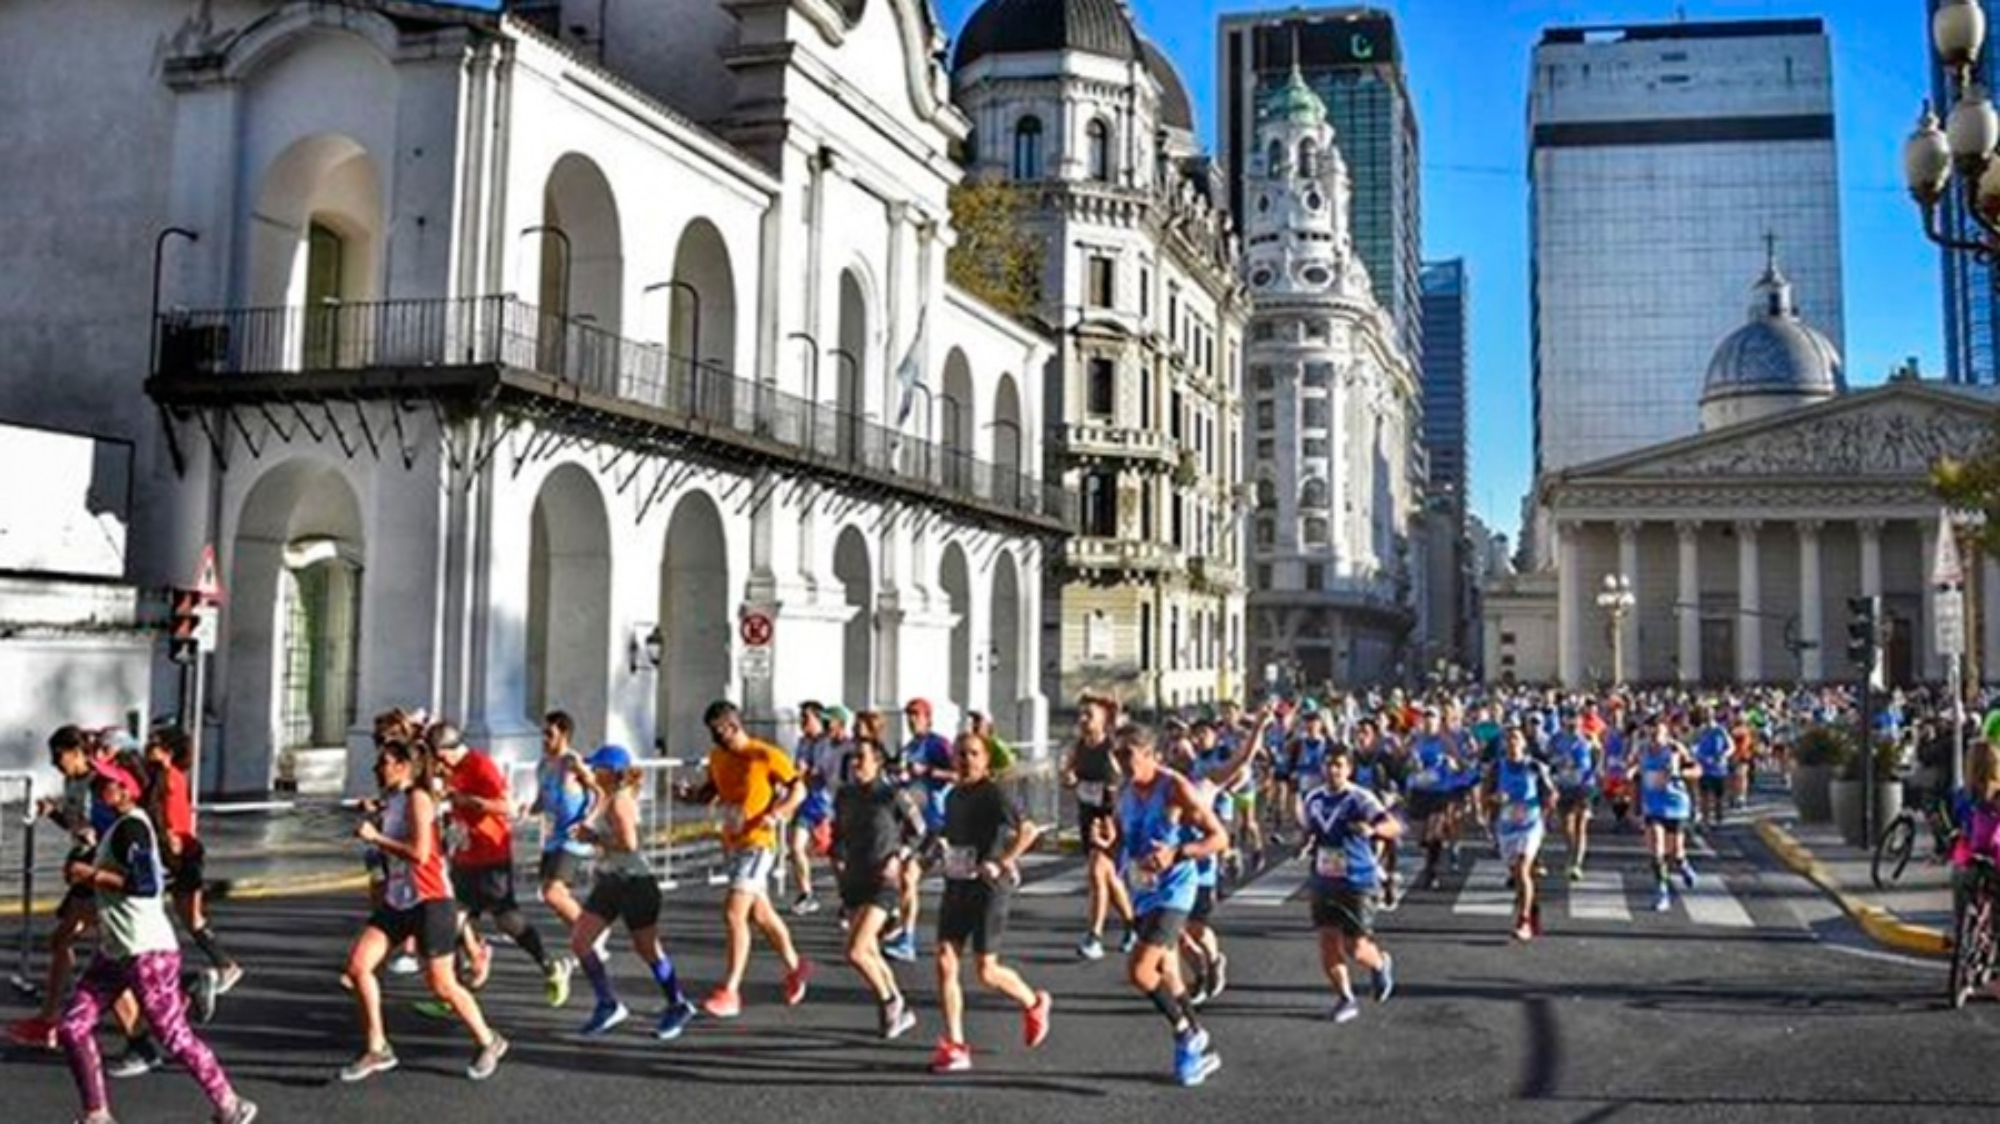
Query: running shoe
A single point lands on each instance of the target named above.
(606, 1017)
(1035, 1020)
(138, 1060)
(1385, 979)
(38, 1033)
(241, 1111)
(1218, 976)
(203, 991)
(555, 985)
(674, 1020)
(1391, 894)
(437, 1010)
(1541, 870)
(231, 976)
(403, 964)
(805, 905)
(487, 1059)
(1524, 932)
(1663, 899)
(1345, 1011)
(1193, 1063)
(1687, 874)
(1454, 858)
(903, 948)
(368, 1065)
(951, 1057)
(897, 1020)
(1090, 947)
(1128, 942)
(722, 1003)
(796, 981)
(479, 967)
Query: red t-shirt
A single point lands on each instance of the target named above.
(179, 810)
(488, 837)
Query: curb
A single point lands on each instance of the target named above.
(1882, 926)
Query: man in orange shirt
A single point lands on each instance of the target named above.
(757, 787)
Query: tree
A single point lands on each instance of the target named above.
(1973, 484)
(997, 258)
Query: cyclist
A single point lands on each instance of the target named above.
(1980, 818)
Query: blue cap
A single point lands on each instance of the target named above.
(611, 758)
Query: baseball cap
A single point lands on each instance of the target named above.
(840, 714)
(918, 706)
(105, 769)
(611, 758)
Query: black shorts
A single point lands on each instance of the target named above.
(633, 899)
(563, 867)
(433, 924)
(1160, 928)
(1204, 904)
(484, 889)
(1575, 800)
(1714, 786)
(973, 915)
(861, 891)
(1350, 911)
(1424, 805)
(187, 874)
(1667, 824)
(1087, 817)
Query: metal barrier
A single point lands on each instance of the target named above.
(657, 820)
(23, 980)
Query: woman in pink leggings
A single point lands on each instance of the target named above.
(137, 952)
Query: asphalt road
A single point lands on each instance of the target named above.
(1753, 1001)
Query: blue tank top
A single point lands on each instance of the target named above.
(1662, 790)
(1431, 764)
(1310, 761)
(1520, 792)
(1576, 766)
(1145, 826)
(562, 808)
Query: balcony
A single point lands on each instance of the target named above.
(1117, 441)
(474, 349)
(1131, 555)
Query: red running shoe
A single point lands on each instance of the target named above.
(1035, 1020)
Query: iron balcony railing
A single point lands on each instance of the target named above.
(504, 331)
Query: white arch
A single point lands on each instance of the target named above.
(569, 600)
(697, 657)
(854, 567)
(276, 35)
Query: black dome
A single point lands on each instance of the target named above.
(1176, 108)
(1023, 27)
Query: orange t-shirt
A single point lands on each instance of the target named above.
(745, 784)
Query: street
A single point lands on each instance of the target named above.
(1752, 1000)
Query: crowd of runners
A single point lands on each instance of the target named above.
(1168, 815)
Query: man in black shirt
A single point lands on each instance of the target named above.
(1092, 771)
(875, 824)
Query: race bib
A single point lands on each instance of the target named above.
(1429, 778)
(1091, 793)
(1519, 815)
(1656, 782)
(961, 864)
(1139, 878)
(1330, 863)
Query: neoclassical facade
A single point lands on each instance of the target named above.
(1074, 106)
(537, 359)
(1334, 407)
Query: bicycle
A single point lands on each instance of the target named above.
(1972, 951)
(1898, 841)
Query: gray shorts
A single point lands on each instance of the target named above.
(748, 870)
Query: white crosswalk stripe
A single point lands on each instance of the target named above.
(1071, 881)
(1599, 896)
(1485, 893)
(1711, 903)
(1603, 896)
(1276, 886)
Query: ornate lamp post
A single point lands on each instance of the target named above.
(1617, 599)
(1964, 145)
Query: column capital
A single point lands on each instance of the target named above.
(1810, 528)
(1871, 527)
(1748, 528)
(1629, 528)
(1568, 529)
(1687, 528)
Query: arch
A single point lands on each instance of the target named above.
(701, 317)
(1309, 158)
(955, 578)
(1010, 457)
(580, 277)
(1098, 149)
(569, 601)
(316, 245)
(1028, 148)
(850, 363)
(276, 35)
(1007, 656)
(1274, 159)
(297, 568)
(958, 426)
(694, 620)
(854, 570)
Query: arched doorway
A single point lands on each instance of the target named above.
(1009, 442)
(702, 322)
(854, 571)
(850, 367)
(569, 603)
(315, 249)
(292, 677)
(694, 622)
(1005, 657)
(955, 578)
(580, 279)
(958, 426)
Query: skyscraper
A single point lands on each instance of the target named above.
(1971, 303)
(1352, 59)
(1445, 451)
(1662, 157)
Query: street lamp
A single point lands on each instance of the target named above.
(1617, 599)
(159, 256)
(1963, 145)
(694, 337)
(851, 379)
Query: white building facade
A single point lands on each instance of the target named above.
(510, 386)
(1334, 412)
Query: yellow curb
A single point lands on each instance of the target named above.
(1882, 926)
(251, 889)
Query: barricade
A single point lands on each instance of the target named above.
(670, 840)
(23, 980)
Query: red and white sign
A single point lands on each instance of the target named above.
(207, 582)
(756, 629)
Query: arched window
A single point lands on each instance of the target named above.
(1100, 151)
(1267, 494)
(1028, 148)
(1308, 159)
(1274, 159)
(1313, 494)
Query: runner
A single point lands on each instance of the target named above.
(817, 758)
(72, 752)
(1217, 771)
(1248, 829)
(1577, 758)
(1665, 770)
(1712, 750)
(169, 754)
(928, 771)
(565, 796)
(482, 863)
(875, 828)
(1620, 744)
(416, 903)
(126, 876)
(1162, 829)
(757, 787)
(1378, 768)
(624, 890)
(1434, 773)
(1521, 790)
(1344, 824)
(985, 836)
(1092, 772)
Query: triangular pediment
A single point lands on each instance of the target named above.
(1895, 431)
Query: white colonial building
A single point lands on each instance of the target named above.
(1333, 422)
(531, 359)
(1069, 101)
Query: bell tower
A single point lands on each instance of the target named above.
(1299, 193)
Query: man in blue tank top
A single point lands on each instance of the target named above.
(566, 796)
(1343, 824)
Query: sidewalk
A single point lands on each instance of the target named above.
(1912, 916)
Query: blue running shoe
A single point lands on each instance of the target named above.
(1129, 942)
(903, 948)
(1687, 874)
(1385, 979)
(674, 1020)
(1193, 1064)
(604, 1018)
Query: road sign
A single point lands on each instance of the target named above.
(1946, 570)
(1949, 622)
(756, 629)
(755, 664)
(207, 582)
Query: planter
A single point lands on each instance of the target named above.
(1809, 792)
(1846, 798)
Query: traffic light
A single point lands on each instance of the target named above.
(1863, 632)
(183, 639)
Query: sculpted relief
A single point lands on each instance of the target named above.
(1896, 440)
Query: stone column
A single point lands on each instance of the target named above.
(1687, 602)
(1985, 619)
(1871, 557)
(1569, 603)
(1628, 565)
(1812, 604)
(1749, 603)
(1932, 663)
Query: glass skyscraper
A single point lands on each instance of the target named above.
(1971, 305)
(1445, 316)
(1352, 59)
(1662, 157)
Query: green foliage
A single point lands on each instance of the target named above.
(997, 258)
(1825, 745)
(1973, 484)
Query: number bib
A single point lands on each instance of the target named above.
(1090, 793)
(1139, 878)
(961, 864)
(1656, 782)
(1519, 815)
(1330, 863)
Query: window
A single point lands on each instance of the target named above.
(1267, 416)
(1264, 331)
(1315, 577)
(1313, 448)
(1267, 494)
(1318, 375)
(1266, 449)
(1309, 160)
(1102, 291)
(1100, 505)
(1265, 378)
(1267, 532)
(1028, 148)
(1145, 638)
(1507, 638)
(1315, 531)
(1314, 411)
(1263, 577)
(1313, 493)
(1101, 389)
(1100, 151)
(1274, 159)
(1145, 292)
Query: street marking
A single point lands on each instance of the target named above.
(1485, 893)
(1276, 886)
(1711, 903)
(1070, 882)
(1599, 896)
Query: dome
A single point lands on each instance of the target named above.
(1024, 27)
(1176, 108)
(1775, 353)
(1294, 102)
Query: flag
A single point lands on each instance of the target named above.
(910, 371)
